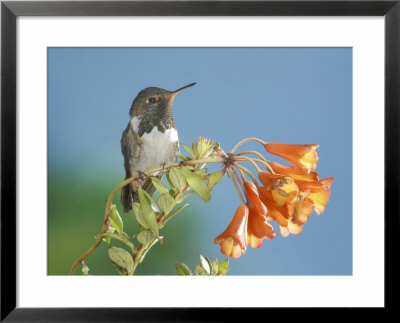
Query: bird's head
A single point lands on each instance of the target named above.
(154, 100)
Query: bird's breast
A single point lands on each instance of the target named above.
(157, 148)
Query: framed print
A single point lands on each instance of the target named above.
(283, 179)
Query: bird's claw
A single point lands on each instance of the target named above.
(141, 175)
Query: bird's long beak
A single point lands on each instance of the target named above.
(181, 89)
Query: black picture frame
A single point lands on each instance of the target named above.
(11, 10)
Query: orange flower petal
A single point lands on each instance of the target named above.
(294, 228)
(285, 192)
(283, 215)
(252, 194)
(267, 198)
(253, 241)
(314, 186)
(226, 246)
(284, 231)
(283, 188)
(327, 181)
(273, 211)
(237, 229)
(291, 228)
(267, 179)
(318, 192)
(258, 225)
(236, 252)
(302, 210)
(230, 249)
(294, 172)
(319, 199)
(302, 156)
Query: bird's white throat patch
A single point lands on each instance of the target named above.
(159, 148)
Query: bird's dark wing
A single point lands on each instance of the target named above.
(127, 194)
(127, 149)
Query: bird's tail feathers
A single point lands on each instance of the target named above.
(127, 197)
(148, 186)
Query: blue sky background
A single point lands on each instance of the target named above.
(290, 95)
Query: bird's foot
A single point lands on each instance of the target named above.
(141, 175)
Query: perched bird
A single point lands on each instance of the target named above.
(150, 140)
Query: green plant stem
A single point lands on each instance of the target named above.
(123, 184)
(262, 142)
(86, 254)
(242, 168)
(244, 158)
(266, 164)
(262, 159)
(239, 181)
(143, 250)
(142, 253)
(236, 185)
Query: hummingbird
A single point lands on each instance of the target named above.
(150, 139)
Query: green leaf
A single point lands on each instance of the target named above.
(209, 263)
(150, 200)
(223, 267)
(166, 202)
(214, 178)
(121, 260)
(137, 209)
(115, 219)
(200, 271)
(147, 210)
(215, 267)
(190, 151)
(206, 264)
(120, 237)
(182, 269)
(194, 149)
(145, 237)
(109, 230)
(197, 183)
(176, 179)
(201, 172)
(204, 147)
(159, 185)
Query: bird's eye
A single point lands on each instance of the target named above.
(152, 100)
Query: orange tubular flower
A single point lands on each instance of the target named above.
(313, 194)
(289, 195)
(283, 215)
(302, 156)
(234, 239)
(258, 227)
(252, 195)
(283, 188)
(318, 192)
